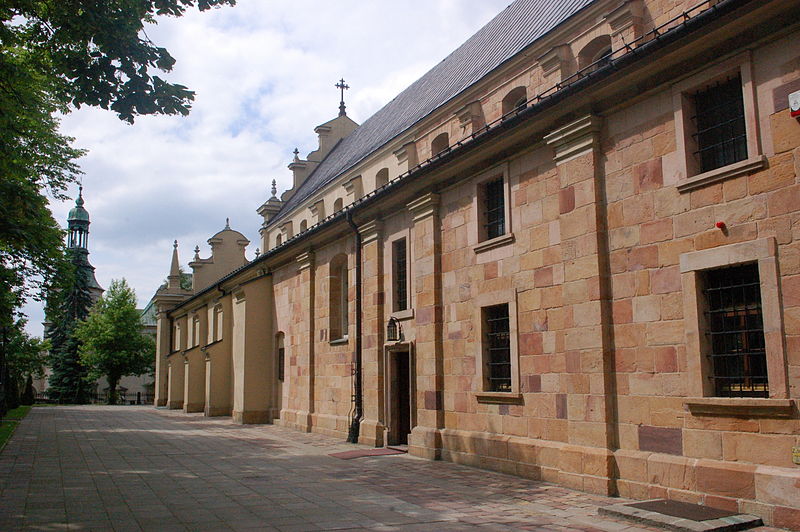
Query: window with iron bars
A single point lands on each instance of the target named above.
(735, 332)
(494, 209)
(720, 133)
(281, 363)
(497, 344)
(399, 256)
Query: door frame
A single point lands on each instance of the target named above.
(390, 354)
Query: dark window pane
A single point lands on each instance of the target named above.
(494, 209)
(400, 275)
(719, 125)
(498, 346)
(736, 332)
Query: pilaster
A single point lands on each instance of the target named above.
(372, 306)
(425, 439)
(253, 351)
(298, 387)
(588, 342)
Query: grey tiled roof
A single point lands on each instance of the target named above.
(516, 27)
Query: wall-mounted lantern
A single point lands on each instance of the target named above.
(393, 330)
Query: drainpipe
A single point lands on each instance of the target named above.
(358, 399)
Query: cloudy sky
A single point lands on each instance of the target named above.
(264, 73)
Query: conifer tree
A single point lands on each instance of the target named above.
(70, 304)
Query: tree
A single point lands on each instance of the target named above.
(56, 56)
(112, 342)
(26, 359)
(68, 304)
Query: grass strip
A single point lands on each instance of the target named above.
(10, 422)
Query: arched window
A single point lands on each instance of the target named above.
(440, 143)
(303, 225)
(338, 296)
(516, 97)
(280, 351)
(338, 205)
(279, 240)
(382, 177)
(597, 53)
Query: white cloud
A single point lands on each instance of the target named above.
(264, 75)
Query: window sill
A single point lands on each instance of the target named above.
(499, 398)
(720, 174)
(212, 343)
(402, 315)
(740, 407)
(496, 242)
(339, 341)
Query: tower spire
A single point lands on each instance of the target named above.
(174, 278)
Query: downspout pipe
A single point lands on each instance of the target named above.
(358, 396)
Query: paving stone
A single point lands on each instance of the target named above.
(139, 468)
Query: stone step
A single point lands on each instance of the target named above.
(682, 516)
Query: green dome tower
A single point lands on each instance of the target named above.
(78, 243)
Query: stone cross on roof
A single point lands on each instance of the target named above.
(342, 86)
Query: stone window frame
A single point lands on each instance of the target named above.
(688, 175)
(480, 244)
(338, 302)
(388, 262)
(701, 400)
(195, 331)
(176, 336)
(482, 301)
(219, 315)
(393, 262)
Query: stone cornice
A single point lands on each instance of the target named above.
(305, 260)
(424, 206)
(575, 139)
(370, 231)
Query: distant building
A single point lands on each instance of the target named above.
(570, 252)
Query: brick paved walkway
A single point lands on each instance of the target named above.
(138, 468)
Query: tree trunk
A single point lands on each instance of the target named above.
(113, 380)
(28, 396)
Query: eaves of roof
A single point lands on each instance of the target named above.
(537, 105)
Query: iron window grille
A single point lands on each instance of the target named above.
(281, 362)
(720, 133)
(498, 348)
(736, 333)
(400, 275)
(494, 208)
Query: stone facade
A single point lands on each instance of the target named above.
(610, 228)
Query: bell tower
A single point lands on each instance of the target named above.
(78, 244)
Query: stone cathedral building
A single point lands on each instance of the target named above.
(570, 251)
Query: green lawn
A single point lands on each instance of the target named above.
(10, 422)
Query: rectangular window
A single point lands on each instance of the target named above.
(719, 124)
(218, 323)
(210, 321)
(195, 331)
(400, 274)
(497, 346)
(735, 330)
(176, 332)
(281, 362)
(494, 209)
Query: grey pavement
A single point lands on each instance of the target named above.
(139, 468)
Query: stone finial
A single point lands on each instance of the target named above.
(274, 188)
(197, 253)
(258, 252)
(227, 224)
